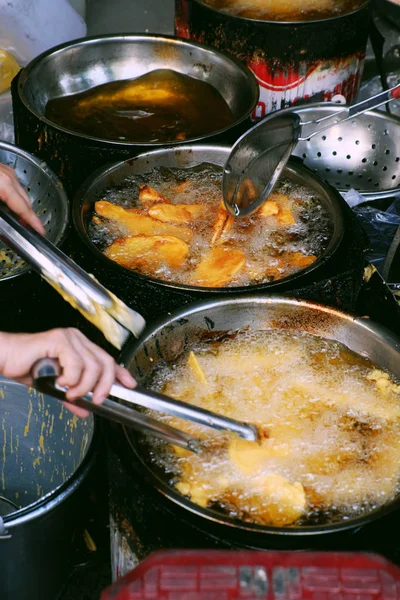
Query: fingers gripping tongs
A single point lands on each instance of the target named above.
(46, 371)
(83, 292)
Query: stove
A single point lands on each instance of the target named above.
(143, 521)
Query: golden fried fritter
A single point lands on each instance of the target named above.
(218, 267)
(298, 259)
(284, 216)
(222, 225)
(196, 368)
(149, 196)
(176, 213)
(148, 251)
(270, 208)
(136, 223)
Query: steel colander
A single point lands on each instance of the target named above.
(363, 153)
(48, 199)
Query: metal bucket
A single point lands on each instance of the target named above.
(305, 61)
(46, 456)
(86, 63)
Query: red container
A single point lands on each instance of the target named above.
(305, 61)
(243, 575)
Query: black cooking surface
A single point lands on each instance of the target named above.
(151, 522)
(92, 570)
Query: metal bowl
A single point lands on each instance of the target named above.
(50, 445)
(89, 62)
(185, 157)
(165, 340)
(363, 153)
(48, 199)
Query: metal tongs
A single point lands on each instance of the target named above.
(46, 371)
(94, 301)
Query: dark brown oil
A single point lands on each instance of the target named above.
(161, 106)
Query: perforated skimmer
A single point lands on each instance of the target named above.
(48, 198)
(363, 153)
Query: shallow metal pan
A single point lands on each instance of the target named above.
(165, 340)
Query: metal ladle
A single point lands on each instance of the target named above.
(260, 155)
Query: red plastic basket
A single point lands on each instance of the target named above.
(243, 575)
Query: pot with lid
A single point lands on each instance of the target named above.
(299, 51)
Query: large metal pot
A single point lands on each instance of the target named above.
(47, 455)
(153, 297)
(165, 341)
(304, 61)
(82, 64)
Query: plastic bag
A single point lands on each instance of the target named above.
(6, 118)
(8, 69)
(79, 6)
(380, 226)
(30, 27)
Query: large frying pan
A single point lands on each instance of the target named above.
(164, 341)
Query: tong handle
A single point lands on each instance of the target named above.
(352, 111)
(45, 373)
(57, 268)
(161, 403)
(43, 255)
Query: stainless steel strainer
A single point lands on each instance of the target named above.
(363, 153)
(48, 199)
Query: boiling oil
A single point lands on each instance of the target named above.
(261, 241)
(329, 421)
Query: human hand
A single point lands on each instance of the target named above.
(14, 195)
(85, 366)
